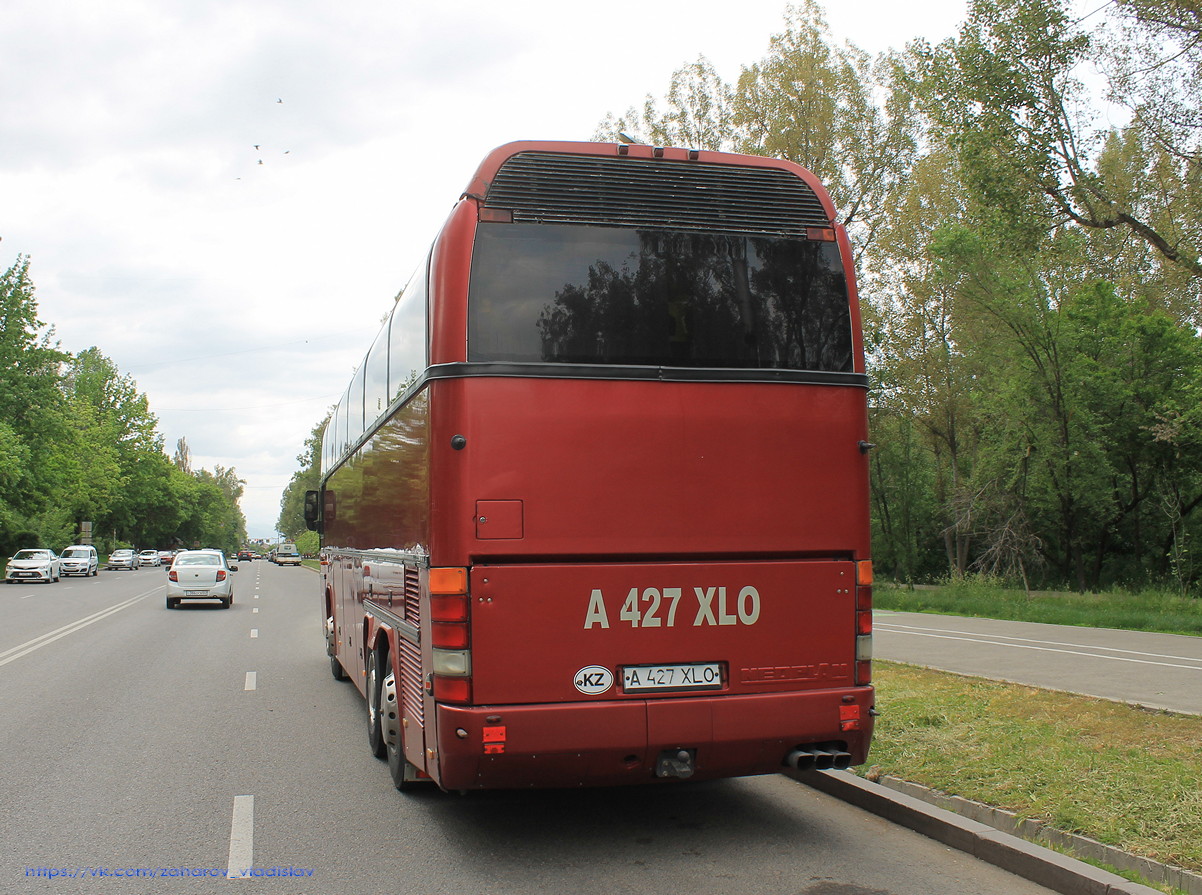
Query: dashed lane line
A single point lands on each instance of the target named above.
(29, 646)
(242, 838)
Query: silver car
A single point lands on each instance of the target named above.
(200, 575)
(123, 559)
(33, 565)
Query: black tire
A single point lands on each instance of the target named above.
(375, 735)
(336, 668)
(227, 602)
(172, 603)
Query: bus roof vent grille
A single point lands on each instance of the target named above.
(554, 188)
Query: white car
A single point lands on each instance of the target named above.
(148, 558)
(33, 565)
(200, 575)
(79, 559)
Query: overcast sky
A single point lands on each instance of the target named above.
(224, 197)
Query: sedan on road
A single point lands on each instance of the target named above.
(123, 559)
(200, 575)
(149, 558)
(33, 565)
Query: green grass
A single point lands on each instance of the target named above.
(1147, 611)
(1116, 773)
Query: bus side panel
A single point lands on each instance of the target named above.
(377, 502)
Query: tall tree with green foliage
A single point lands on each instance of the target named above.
(307, 478)
(32, 421)
(1005, 95)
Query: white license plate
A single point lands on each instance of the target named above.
(695, 676)
(196, 593)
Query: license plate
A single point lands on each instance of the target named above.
(196, 593)
(695, 676)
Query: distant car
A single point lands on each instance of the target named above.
(149, 558)
(165, 557)
(123, 559)
(79, 559)
(286, 555)
(200, 575)
(247, 555)
(32, 565)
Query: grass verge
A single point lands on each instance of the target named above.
(1125, 776)
(984, 598)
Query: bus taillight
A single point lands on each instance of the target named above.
(450, 635)
(864, 622)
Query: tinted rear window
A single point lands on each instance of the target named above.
(598, 295)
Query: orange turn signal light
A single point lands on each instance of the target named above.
(448, 580)
(864, 572)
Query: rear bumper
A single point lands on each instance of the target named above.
(607, 743)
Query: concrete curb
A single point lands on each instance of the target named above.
(1018, 856)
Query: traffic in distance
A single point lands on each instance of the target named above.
(42, 565)
(594, 507)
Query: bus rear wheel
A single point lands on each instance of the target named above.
(336, 668)
(375, 733)
(404, 774)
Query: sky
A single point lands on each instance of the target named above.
(225, 196)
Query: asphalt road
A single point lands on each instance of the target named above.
(147, 750)
(1162, 671)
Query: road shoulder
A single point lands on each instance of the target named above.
(1040, 865)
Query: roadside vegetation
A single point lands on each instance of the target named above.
(982, 597)
(78, 443)
(1116, 773)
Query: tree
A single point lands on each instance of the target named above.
(183, 455)
(1004, 96)
(33, 425)
(306, 478)
(698, 113)
(1155, 62)
(921, 371)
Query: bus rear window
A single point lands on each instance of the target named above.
(607, 295)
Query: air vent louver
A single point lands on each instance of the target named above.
(553, 188)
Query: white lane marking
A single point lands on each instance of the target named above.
(1047, 646)
(252, 680)
(24, 649)
(242, 838)
(256, 609)
(254, 632)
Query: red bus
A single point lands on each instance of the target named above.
(594, 507)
